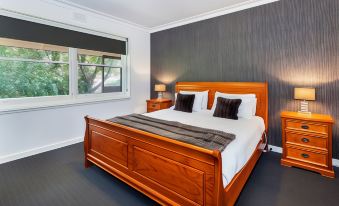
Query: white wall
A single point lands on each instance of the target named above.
(27, 133)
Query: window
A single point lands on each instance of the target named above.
(37, 71)
(32, 69)
(99, 72)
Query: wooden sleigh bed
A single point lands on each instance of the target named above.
(168, 171)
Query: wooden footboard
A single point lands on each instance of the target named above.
(168, 171)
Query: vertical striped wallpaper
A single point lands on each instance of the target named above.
(288, 43)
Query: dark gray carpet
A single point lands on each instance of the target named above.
(59, 178)
(273, 184)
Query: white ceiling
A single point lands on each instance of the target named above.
(155, 13)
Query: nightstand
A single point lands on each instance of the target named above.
(307, 142)
(158, 104)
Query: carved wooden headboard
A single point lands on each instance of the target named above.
(260, 89)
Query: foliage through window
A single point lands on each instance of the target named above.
(99, 74)
(29, 69)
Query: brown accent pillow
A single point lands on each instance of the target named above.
(227, 108)
(184, 102)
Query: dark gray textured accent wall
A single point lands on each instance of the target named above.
(288, 43)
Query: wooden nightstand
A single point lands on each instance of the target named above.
(158, 104)
(307, 142)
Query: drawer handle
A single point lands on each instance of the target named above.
(305, 140)
(305, 155)
(154, 105)
(305, 126)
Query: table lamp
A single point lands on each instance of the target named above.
(305, 94)
(160, 88)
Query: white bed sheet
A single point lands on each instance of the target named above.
(248, 133)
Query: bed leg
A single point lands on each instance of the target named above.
(88, 163)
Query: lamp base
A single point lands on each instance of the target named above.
(301, 112)
(304, 107)
(160, 95)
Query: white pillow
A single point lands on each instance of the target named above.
(197, 99)
(254, 105)
(247, 107)
(249, 99)
(204, 96)
(204, 100)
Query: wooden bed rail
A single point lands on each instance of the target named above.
(168, 171)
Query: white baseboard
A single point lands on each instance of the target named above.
(38, 150)
(335, 162)
(276, 149)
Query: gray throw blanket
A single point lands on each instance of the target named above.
(206, 138)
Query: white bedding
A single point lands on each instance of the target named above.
(248, 133)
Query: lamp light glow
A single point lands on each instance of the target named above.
(160, 88)
(305, 94)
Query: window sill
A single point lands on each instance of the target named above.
(61, 103)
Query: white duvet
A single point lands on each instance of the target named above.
(248, 133)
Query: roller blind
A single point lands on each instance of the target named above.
(35, 32)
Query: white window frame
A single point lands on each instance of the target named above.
(10, 105)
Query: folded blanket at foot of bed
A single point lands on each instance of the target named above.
(202, 137)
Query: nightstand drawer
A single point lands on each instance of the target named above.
(155, 106)
(151, 110)
(158, 104)
(306, 140)
(306, 156)
(306, 126)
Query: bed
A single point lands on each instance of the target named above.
(176, 173)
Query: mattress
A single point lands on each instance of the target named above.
(248, 134)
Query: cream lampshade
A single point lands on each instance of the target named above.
(305, 94)
(160, 88)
